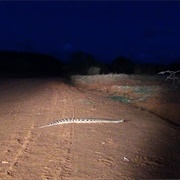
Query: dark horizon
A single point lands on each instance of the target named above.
(141, 31)
(66, 57)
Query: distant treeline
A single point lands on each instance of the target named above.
(33, 64)
(28, 64)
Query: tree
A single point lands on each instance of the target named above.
(122, 65)
(80, 62)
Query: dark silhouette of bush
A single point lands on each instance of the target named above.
(149, 69)
(28, 64)
(80, 62)
(174, 66)
(138, 69)
(122, 65)
(104, 68)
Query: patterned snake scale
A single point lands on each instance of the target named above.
(81, 120)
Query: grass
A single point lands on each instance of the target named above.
(121, 99)
(143, 90)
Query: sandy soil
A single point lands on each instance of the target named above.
(145, 146)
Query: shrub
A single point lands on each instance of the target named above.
(93, 70)
(122, 65)
(80, 63)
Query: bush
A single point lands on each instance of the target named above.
(122, 65)
(93, 70)
(80, 63)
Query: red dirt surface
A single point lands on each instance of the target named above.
(145, 146)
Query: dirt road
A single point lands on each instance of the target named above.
(142, 147)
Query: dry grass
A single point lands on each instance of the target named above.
(149, 92)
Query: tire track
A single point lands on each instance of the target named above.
(57, 163)
(60, 165)
(22, 142)
(67, 165)
(48, 171)
(22, 148)
(16, 137)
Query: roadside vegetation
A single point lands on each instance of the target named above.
(79, 63)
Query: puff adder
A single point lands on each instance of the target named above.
(81, 120)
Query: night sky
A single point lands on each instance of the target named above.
(142, 30)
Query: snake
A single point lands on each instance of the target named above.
(80, 121)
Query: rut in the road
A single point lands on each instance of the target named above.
(81, 120)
